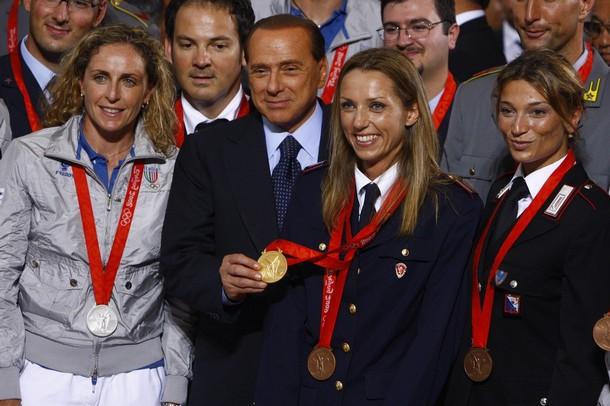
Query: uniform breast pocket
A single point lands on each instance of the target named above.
(53, 291)
(406, 260)
(528, 281)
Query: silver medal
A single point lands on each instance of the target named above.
(102, 321)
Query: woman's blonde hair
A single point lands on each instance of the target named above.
(158, 115)
(418, 168)
(552, 76)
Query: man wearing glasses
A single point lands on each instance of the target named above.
(425, 31)
(55, 26)
(598, 28)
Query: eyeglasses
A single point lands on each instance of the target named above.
(595, 27)
(415, 30)
(73, 4)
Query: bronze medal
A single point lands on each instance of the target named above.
(273, 266)
(321, 363)
(601, 332)
(478, 364)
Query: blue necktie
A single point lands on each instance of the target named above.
(284, 175)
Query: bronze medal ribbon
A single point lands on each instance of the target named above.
(17, 67)
(102, 278)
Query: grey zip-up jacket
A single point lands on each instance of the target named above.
(45, 282)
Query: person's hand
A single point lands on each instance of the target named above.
(240, 276)
(10, 402)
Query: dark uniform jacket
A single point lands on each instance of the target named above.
(476, 50)
(475, 149)
(395, 337)
(560, 268)
(11, 95)
(221, 203)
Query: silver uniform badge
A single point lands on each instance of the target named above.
(560, 199)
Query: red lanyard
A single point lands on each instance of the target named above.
(102, 278)
(481, 317)
(445, 101)
(244, 109)
(335, 276)
(585, 70)
(333, 74)
(17, 68)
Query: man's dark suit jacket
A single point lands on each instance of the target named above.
(11, 95)
(559, 269)
(476, 50)
(221, 203)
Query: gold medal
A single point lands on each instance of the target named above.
(478, 364)
(321, 363)
(601, 332)
(273, 266)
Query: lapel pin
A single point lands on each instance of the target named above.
(401, 270)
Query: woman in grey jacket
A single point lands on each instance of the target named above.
(82, 314)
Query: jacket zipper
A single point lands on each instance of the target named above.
(96, 357)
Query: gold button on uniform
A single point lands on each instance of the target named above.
(405, 252)
(322, 247)
(352, 308)
(346, 347)
(339, 385)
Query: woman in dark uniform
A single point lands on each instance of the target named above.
(542, 260)
(382, 328)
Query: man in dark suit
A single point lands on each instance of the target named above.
(230, 191)
(476, 49)
(428, 49)
(53, 30)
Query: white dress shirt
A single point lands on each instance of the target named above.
(463, 18)
(534, 182)
(42, 74)
(308, 135)
(384, 183)
(511, 42)
(193, 117)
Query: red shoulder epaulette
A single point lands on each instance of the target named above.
(315, 166)
(461, 183)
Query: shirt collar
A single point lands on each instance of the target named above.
(581, 59)
(463, 18)
(307, 134)
(42, 74)
(193, 117)
(384, 183)
(536, 179)
(432, 103)
(83, 144)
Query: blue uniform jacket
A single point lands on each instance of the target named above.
(395, 337)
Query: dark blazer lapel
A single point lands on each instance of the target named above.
(542, 223)
(247, 167)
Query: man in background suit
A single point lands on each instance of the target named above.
(53, 30)
(474, 148)
(476, 49)
(403, 21)
(230, 191)
(204, 42)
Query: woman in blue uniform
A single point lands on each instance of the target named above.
(540, 266)
(380, 324)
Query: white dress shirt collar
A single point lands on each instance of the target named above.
(463, 18)
(42, 74)
(511, 42)
(384, 183)
(536, 179)
(432, 103)
(193, 117)
(308, 135)
(581, 59)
